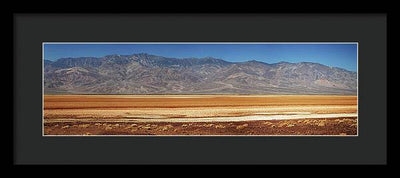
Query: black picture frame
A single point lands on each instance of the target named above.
(369, 29)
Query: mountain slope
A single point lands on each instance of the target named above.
(149, 74)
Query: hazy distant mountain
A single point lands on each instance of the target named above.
(150, 74)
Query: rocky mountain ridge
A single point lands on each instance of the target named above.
(150, 74)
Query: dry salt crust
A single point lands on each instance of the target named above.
(189, 112)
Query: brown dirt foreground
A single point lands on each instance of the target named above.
(333, 126)
(194, 115)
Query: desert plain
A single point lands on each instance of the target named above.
(200, 115)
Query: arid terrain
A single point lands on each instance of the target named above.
(143, 74)
(200, 115)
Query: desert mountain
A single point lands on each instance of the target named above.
(149, 74)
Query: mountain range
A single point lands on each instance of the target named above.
(150, 74)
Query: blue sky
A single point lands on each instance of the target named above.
(335, 54)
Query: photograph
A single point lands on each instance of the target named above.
(200, 89)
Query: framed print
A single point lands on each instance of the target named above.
(231, 88)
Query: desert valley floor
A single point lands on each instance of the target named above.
(200, 115)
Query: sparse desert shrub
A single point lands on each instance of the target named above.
(239, 127)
